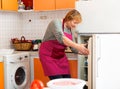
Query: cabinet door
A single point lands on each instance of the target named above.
(38, 71)
(0, 4)
(10, 5)
(73, 68)
(39, 74)
(65, 4)
(43, 5)
(1, 76)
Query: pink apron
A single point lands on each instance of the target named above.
(53, 57)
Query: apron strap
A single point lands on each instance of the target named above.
(63, 24)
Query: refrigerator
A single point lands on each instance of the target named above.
(99, 16)
(100, 69)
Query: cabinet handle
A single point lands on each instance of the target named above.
(98, 54)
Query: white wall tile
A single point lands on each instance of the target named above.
(10, 26)
(39, 21)
(32, 25)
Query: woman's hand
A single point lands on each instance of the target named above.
(82, 49)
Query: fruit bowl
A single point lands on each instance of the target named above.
(66, 83)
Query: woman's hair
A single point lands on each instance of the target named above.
(73, 14)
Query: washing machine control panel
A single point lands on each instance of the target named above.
(18, 57)
(23, 57)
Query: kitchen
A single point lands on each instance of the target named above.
(32, 24)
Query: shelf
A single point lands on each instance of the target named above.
(25, 10)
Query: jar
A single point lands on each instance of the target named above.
(21, 6)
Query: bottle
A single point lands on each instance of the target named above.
(21, 6)
(86, 69)
(35, 45)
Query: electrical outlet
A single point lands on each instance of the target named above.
(43, 17)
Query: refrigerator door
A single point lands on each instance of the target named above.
(90, 46)
(99, 16)
(106, 61)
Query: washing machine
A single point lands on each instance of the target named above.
(17, 71)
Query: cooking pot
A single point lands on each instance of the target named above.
(66, 83)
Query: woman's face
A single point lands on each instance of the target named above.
(72, 24)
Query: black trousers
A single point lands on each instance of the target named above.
(59, 76)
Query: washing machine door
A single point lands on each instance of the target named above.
(20, 77)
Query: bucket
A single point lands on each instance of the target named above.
(66, 83)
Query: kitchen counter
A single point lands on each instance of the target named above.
(34, 54)
(1, 58)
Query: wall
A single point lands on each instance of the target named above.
(35, 23)
(10, 26)
(32, 25)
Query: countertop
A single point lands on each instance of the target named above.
(34, 54)
(70, 55)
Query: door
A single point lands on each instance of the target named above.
(0, 4)
(106, 61)
(38, 71)
(9, 5)
(90, 46)
(19, 77)
(1, 75)
(73, 68)
(66, 4)
(43, 5)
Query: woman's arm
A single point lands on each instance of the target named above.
(80, 47)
